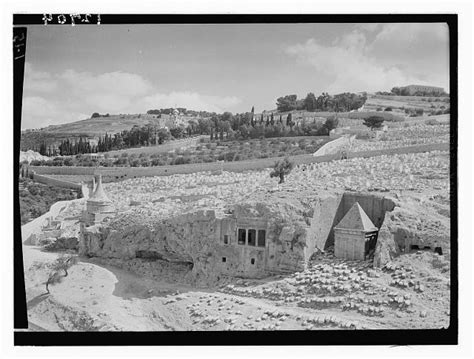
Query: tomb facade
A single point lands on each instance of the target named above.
(355, 236)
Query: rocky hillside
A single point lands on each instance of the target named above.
(89, 128)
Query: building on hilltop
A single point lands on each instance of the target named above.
(413, 89)
(98, 205)
(355, 236)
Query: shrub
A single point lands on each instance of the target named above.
(135, 162)
(182, 160)
(388, 109)
(68, 161)
(432, 122)
(331, 123)
(374, 122)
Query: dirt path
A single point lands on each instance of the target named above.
(101, 297)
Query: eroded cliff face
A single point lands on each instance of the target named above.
(186, 240)
(196, 240)
(413, 224)
(203, 245)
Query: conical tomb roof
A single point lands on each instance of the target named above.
(99, 193)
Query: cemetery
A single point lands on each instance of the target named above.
(340, 244)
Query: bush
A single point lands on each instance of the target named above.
(182, 160)
(68, 161)
(432, 122)
(38, 198)
(157, 162)
(331, 123)
(374, 122)
(388, 109)
(135, 162)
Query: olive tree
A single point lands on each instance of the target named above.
(282, 168)
(373, 122)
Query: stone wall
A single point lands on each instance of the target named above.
(322, 222)
(56, 182)
(63, 170)
(122, 173)
(165, 147)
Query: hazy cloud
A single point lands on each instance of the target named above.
(40, 112)
(71, 96)
(399, 54)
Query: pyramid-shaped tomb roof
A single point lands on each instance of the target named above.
(356, 219)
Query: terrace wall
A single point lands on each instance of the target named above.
(166, 147)
(56, 182)
(121, 173)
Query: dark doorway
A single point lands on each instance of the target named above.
(241, 236)
(252, 236)
(439, 250)
(370, 243)
(261, 238)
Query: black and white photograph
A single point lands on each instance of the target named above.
(236, 174)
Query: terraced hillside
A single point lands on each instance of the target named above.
(90, 128)
(400, 103)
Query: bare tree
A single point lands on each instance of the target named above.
(55, 269)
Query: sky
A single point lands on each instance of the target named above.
(71, 72)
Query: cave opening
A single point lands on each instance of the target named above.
(373, 205)
(152, 256)
(148, 255)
